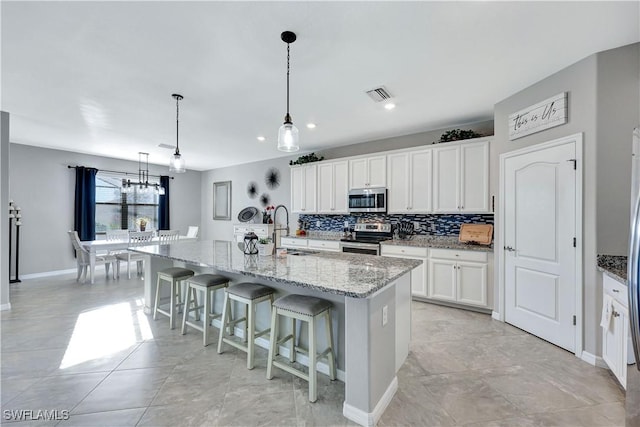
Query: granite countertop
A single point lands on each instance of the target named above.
(438, 242)
(356, 276)
(320, 236)
(614, 266)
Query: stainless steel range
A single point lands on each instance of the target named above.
(367, 238)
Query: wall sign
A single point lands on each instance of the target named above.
(543, 115)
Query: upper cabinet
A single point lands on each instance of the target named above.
(461, 177)
(365, 172)
(333, 182)
(409, 181)
(303, 189)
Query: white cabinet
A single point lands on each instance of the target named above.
(333, 187)
(461, 177)
(458, 276)
(291, 242)
(367, 172)
(324, 245)
(409, 181)
(615, 336)
(303, 189)
(419, 274)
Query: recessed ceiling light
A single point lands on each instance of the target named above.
(311, 125)
(390, 106)
(261, 138)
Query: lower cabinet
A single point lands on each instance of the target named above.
(418, 275)
(615, 334)
(291, 242)
(320, 245)
(458, 276)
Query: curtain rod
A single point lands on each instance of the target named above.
(123, 173)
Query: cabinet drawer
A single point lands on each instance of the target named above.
(403, 250)
(324, 245)
(293, 243)
(458, 255)
(615, 289)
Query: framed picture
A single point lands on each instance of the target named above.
(222, 200)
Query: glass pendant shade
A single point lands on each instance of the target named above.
(177, 164)
(288, 138)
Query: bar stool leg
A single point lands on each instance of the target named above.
(225, 315)
(172, 306)
(292, 343)
(313, 375)
(331, 356)
(273, 342)
(207, 320)
(251, 327)
(155, 306)
(185, 312)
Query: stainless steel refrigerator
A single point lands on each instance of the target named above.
(633, 279)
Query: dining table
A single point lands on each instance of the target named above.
(96, 246)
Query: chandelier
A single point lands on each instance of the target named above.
(143, 185)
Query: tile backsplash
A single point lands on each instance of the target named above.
(430, 224)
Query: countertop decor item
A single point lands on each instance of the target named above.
(307, 158)
(176, 163)
(247, 214)
(250, 244)
(272, 178)
(476, 233)
(457, 135)
(288, 133)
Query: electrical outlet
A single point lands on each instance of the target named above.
(318, 223)
(416, 225)
(433, 227)
(385, 315)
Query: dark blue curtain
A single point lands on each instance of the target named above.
(84, 221)
(163, 205)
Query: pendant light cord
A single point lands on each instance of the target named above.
(288, 68)
(177, 124)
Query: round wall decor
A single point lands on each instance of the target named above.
(265, 200)
(272, 178)
(252, 190)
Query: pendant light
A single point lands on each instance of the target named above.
(288, 133)
(176, 163)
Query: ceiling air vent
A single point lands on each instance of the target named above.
(171, 147)
(379, 94)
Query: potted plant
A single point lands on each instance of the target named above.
(142, 223)
(265, 247)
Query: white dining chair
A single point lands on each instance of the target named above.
(193, 231)
(168, 236)
(136, 238)
(83, 258)
(117, 236)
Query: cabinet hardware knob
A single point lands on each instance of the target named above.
(615, 314)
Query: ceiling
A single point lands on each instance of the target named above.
(97, 77)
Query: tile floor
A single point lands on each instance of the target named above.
(90, 350)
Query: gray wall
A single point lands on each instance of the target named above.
(241, 175)
(42, 185)
(606, 130)
(4, 212)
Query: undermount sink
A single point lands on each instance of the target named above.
(300, 253)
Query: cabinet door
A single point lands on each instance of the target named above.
(398, 184)
(377, 171)
(340, 187)
(471, 284)
(446, 179)
(297, 189)
(325, 188)
(442, 279)
(419, 278)
(358, 173)
(474, 177)
(310, 189)
(420, 182)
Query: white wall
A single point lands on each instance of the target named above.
(592, 85)
(42, 185)
(4, 211)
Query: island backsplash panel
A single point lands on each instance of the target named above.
(430, 224)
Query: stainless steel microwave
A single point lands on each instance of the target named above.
(368, 200)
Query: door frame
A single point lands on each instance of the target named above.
(577, 140)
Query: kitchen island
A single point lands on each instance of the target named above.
(371, 297)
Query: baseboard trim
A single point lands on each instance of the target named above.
(594, 360)
(322, 367)
(48, 274)
(370, 419)
(6, 306)
(496, 316)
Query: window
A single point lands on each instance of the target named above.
(116, 210)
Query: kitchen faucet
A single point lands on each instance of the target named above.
(275, 222)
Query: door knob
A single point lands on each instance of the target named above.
(509, 248)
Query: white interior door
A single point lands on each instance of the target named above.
(539, 253)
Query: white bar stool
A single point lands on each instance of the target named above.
(250, 294)
(173, 275)
(308, 309)
(208, 284)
